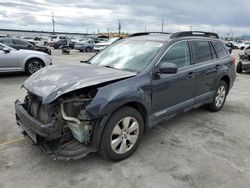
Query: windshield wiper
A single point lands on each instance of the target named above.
(108, 66)
(87, 62)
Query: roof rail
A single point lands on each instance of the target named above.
(146, 33)
(194, 33)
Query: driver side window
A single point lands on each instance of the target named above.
(178, 54)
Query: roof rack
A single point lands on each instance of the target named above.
(146, 33)
(194, 33)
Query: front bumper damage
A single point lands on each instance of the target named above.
(48, 137)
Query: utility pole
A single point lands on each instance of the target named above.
(191, 27)
(119, 27)
(145, 29)
(108, 32)
(162, 25)
(53, 22)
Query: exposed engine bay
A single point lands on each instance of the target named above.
(71, 124)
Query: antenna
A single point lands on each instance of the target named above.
(53, 22)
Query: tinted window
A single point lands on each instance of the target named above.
(177, 54)
(1, 47)
(5, 41)
(202, 51)
(19, 42)
(219, 48)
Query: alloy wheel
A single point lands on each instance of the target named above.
(220, 96)
(34, 66)
(124, 135)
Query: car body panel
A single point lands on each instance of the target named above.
(54, 81)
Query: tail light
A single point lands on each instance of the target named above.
(234, 60)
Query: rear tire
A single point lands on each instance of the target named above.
(239, 67)
(33, 65)
(219, 97)
(88, 49)
(122, 134)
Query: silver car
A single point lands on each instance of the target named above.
(29, 61)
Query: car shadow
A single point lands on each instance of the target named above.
(13, 74)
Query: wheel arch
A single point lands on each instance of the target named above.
(226, 79)
(29, 59)
(98, 133)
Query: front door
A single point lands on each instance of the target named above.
(173, 92)
(8, 60)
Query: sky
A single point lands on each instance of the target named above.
(221, 16)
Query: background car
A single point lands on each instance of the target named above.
(100, 46)
(55, 38)
(39, 41)
(63, 42)
(85, 45)
(29, 61)
(242, 45)
(21, 44)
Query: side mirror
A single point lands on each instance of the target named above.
(168, 68)
(6, 50)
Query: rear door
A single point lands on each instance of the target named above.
(206, 66)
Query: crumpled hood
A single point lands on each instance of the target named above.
(51, 82)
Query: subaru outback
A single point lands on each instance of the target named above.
(106, 104)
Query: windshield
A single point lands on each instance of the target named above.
(127, 55)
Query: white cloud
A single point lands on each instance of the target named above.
(78, 16)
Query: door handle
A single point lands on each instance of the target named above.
(190, 75)
(217, 66)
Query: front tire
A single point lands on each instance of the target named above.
(33, 65)
(239, 67)
(219, 97)
(122, 134)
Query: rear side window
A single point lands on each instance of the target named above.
(5, 41)
(19, 42)
(219, 49)
(202, 51)
(177, 54)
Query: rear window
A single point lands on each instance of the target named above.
(202, 51)
(219, 49)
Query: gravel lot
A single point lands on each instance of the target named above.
(196, 149)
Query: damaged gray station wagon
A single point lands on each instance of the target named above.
(107, 103)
